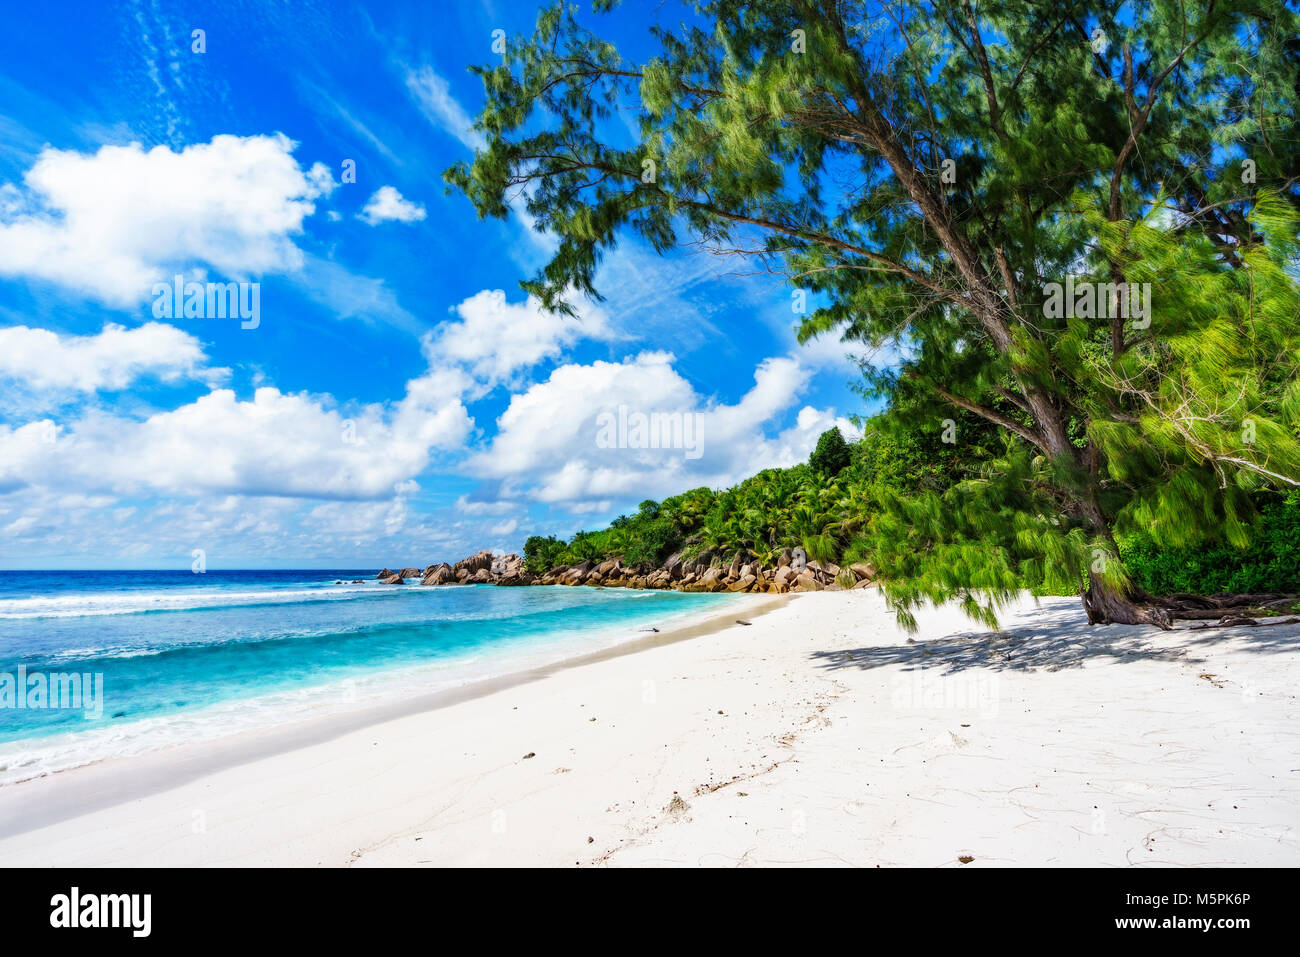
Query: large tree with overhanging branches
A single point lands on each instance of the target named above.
(927, 170)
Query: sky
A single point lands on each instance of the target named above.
(390, 396)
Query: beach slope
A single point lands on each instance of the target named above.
(817, 735)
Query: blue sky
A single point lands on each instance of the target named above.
(400, 400)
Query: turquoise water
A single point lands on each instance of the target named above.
(169, 656)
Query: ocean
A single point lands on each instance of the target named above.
(103, 664)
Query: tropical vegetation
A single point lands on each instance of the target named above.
(933, 175)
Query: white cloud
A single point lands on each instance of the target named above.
(42, 360)
(234, 530)
(468, 506)
(387, 204)
(548, 445)
(433, 95)
(112, 223)
(493, 338)
(351, 296)
(507, 527)
(275, 444)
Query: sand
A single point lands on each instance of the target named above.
(818, 735)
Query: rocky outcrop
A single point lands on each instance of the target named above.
(440, 574)
(706, 572)
(469, 567)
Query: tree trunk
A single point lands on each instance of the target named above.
(1108, 606)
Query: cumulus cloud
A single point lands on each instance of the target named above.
(275, 444)
(41, 360)
(549, 445)
(494, 339)
(112, 223)
(388, 205)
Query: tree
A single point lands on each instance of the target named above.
(831, 455)
(939, 173)
(541, 554)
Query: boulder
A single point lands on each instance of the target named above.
(576, 574)
(438, 575)
(713, 576)
(808, 581)
(482, 576)
(745, 584)
(470, 565)
(506, 565)
(863, 571)
(385, 573)
(391, 580)
(410, 573)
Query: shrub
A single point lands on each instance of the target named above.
(655, 540)
(1270, 564)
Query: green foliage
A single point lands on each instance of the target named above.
(653, 541)
(542, 554)
(831, 455)
(1270, 562)
(903, 490)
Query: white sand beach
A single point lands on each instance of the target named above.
(818, 735)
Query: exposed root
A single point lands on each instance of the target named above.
(1106, 606)
(1228, 621)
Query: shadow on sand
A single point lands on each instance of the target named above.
(1055, 637)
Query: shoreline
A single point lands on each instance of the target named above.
(187, 761)
(705, 571)
(819, 736)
